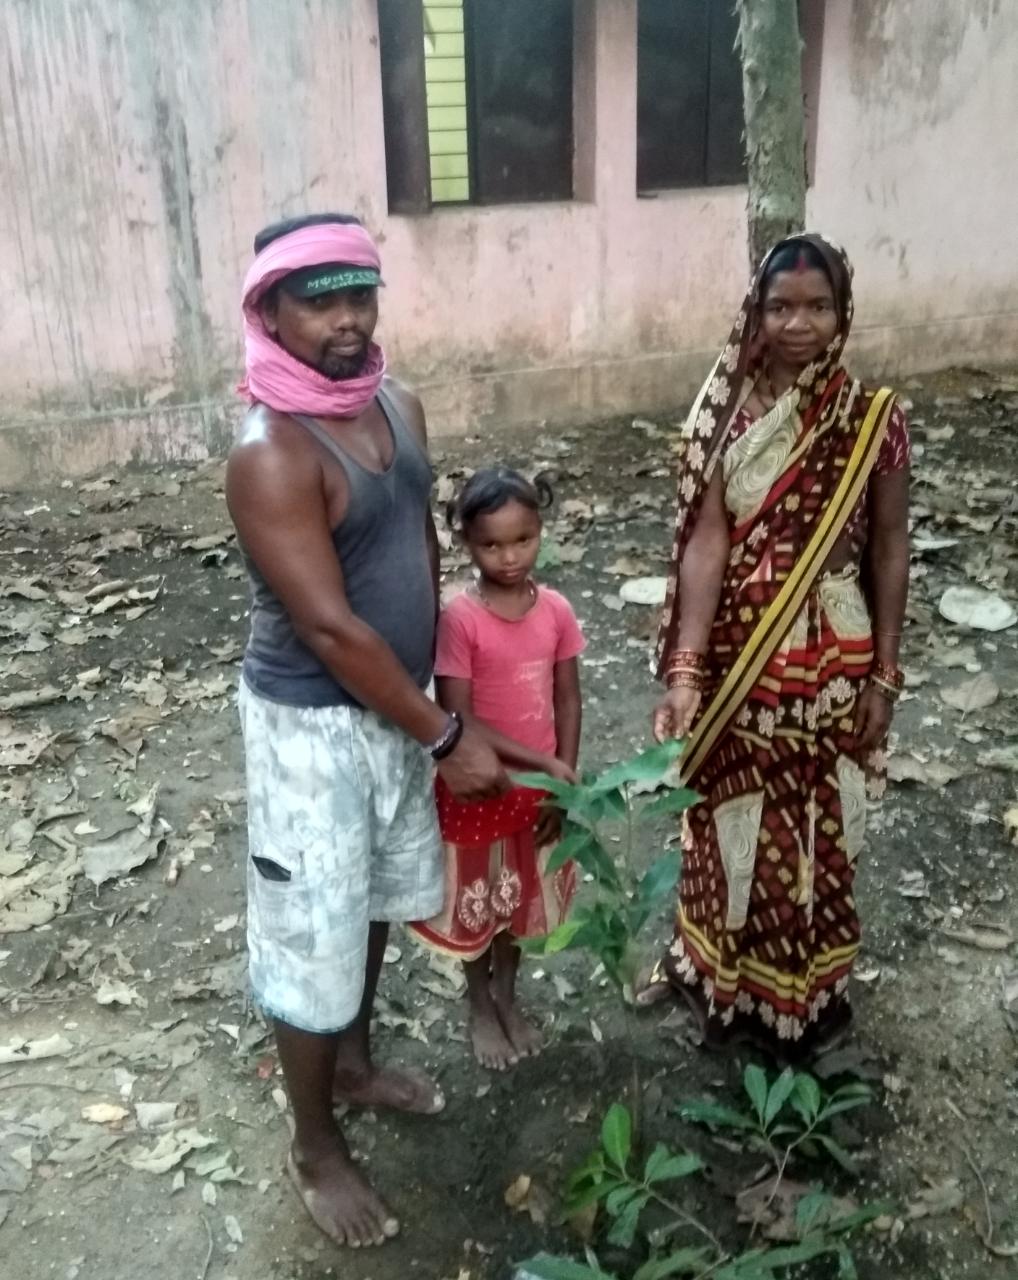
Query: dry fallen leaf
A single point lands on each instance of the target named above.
(104, 1113)
(977, 694)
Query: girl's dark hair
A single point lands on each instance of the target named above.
(490, 489)
(796, 255)
(268, 234)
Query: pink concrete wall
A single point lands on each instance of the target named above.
(144, 144)
(917, 174)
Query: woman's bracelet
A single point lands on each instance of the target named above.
(684, 678)
(449, 741)
(687, 658)
(885, 690)
(893, 677)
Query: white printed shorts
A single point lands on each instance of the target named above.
(342, 831)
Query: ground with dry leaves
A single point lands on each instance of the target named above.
(146, 1134)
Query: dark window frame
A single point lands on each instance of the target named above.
(405, 113)
(709, 160)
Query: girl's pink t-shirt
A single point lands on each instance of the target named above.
(510, 664)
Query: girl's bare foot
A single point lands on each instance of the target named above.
(492, 1047)
(524, 1037)
(340, 1200)
(399, 1089)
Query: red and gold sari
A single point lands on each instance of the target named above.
(767, 930)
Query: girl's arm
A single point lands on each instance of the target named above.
(455, 694)
(568, 710)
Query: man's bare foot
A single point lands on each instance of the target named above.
(492, 1047)
(524, 1037)
(398, 1089)
(340, 1200)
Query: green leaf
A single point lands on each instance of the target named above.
(811, 1209)
(623, 1229)
(649, 766)
(660, 878)
(547, 1267)
(836, 1151)
(855, 1090)
(558, 940)
(713, 1113)
(754, 1081)
(780, 1092)
(572, 845)
(687, 1262)
(861, 1216)
(565, 793)
(846, 1264)
(787, 1256)
(576, 1200)
(620, 1197)
(597, 806)
(674, 800)
(806, 1097)
(617, 1134)
(844, 1104)
(662, 1166)
(592, 1167)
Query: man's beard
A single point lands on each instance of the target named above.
(338, 368)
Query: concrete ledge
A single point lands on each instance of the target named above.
(41, 451)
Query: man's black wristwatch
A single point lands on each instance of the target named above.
(449, 740)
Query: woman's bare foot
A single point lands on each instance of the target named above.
(652, 986)
(524, 1037)
(340, 1200)
(492, 1047)
(400, 1090)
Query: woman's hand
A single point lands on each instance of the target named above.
(873, 713)
(674, 714)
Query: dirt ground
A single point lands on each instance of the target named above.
(148, 1136)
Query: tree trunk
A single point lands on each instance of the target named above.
(775, 120)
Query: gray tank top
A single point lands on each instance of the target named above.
(383, 551)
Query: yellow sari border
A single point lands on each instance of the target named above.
(748, 666)
(779, 981)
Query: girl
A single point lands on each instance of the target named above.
(780, 651)
(507, 656)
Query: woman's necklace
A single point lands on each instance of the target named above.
(767, 388)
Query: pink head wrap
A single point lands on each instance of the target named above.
(275, 377)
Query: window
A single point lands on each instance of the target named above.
(689, 95)
(478, 101)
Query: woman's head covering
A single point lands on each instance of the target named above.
(347, 256)
(709, 422)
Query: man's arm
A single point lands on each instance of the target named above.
(277, 502)
(455, 694)
(282, 521)
(413, 416)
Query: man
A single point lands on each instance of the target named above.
(328, 487)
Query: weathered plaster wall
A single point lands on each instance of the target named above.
(142, 146)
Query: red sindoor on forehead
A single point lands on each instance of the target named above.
(802, 262)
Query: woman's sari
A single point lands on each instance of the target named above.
(767, 930)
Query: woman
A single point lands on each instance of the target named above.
(779, 647)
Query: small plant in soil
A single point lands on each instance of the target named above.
(626, 1187)
(622, 903)
(788, 1116)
